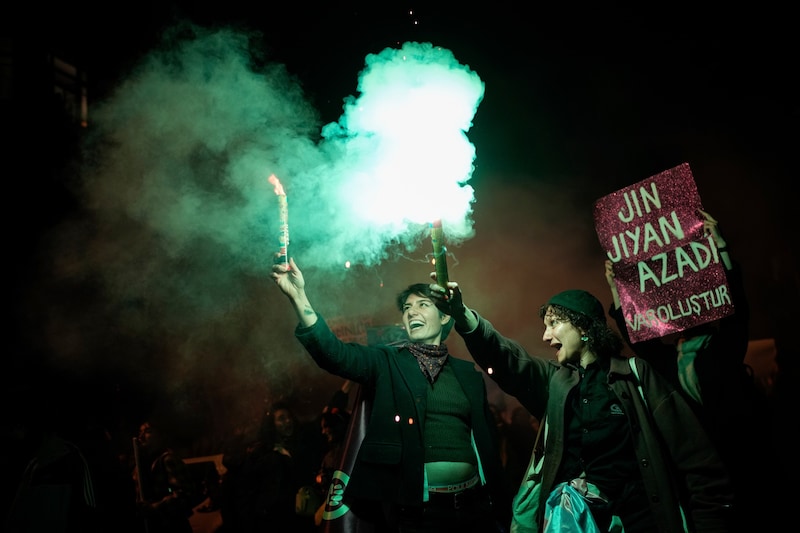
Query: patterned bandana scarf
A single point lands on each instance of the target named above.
(431, 358)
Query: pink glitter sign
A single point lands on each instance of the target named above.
(668, 273)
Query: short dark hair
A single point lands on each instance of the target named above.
(423, 290)
(420, 289)
(336, 417)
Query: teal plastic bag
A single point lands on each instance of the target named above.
(567, 511)
(525, 508)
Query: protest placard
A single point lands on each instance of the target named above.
(667, 271)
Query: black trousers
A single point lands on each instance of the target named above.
(469, 510)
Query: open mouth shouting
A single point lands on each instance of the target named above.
(414, 325)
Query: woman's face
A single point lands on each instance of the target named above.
(148, 436)
(562, 335)
(422, 320)
(284, 423)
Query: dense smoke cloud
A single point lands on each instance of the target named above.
(168, 268)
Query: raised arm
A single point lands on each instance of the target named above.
(710, 225)
(290, 281)
(612, 285)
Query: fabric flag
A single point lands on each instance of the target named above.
(337, 517)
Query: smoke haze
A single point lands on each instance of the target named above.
(160, 277)
(167, 271)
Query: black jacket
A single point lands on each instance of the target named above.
(389, 466)
(678, 464)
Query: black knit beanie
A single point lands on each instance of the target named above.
(580, 302)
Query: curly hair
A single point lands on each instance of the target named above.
(603, 341)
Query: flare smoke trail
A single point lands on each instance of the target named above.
(192, 139)
(174, 245)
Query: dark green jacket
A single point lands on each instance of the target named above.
(389, 466)
(677, 461)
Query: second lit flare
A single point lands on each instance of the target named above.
(439, 253)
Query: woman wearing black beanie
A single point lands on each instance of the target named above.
(620, 449)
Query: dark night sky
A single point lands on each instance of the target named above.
(579, 102)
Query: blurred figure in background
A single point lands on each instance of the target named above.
(56, 492)
(165, 492)
(263, 478)
(63, 474)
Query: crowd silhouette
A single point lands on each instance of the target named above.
(68, 470)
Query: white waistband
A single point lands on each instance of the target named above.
(456, 487)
